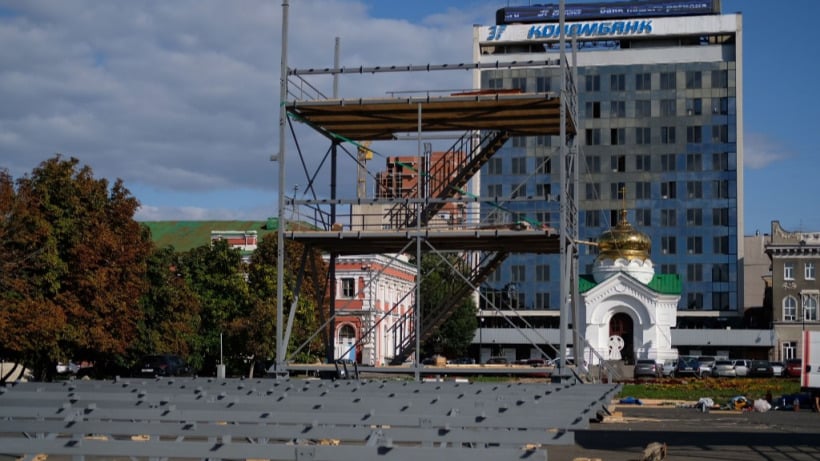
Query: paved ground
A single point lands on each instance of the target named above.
(692, 435)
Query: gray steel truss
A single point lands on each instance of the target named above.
(293, 419)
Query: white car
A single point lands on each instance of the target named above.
(742, 367)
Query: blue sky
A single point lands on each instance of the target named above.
(179, 98)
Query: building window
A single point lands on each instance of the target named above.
(694, 134)
(642, 190)
(617, 109)
(694, 272)
(519, 141)
(593, 191)
(519, 165)
(668, 190)
(669, 218)
(542, 273)
(789, 350)
(520, 83)
(668, 162)
(720, 106)
(668, 81)
(694, 245)
(668, 135)
(543, 190)
(617, 163)
(721, 245)
(593, 136)
(593, 163)
(593, 109)
(348, 287)
(544, 166)
(720, 79)
(592, 218)
(720, 217)
(694, 106)
(543, 140)
(694, 217)
(593, 83)
(616, 190)
(720, 300)
(542, 300)
(643, 108)
(720, 188)
(694, 189)
(789, 309)
(694, 301)
(643, 217)
(668, 108)
(693, 79)
(720, 133)
(669, 245)
(617, 136)
(669, 269)
(495, 84)
(643, 135)
(720, 161)
(518, 272)
(643, 81)
(810, 307)
(543, 84)
(643, 162)
(788, 271)
(617, 82)
(694, 162)
(808, 271)
(494, 166)
(720, 272)
(519, 191)
(495, 190)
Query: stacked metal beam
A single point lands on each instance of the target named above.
(292, 419)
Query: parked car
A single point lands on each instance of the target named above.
(778, 369)
(161, 365)
(794, 367)
(724, 369)
(668, 368)
(646, 368)
(742, 367)
(705, 364)
(761, 369)
(687, 366)
(462, 361)
(497, 361)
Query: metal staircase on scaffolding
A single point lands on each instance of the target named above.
(446, 178)
(457, 290)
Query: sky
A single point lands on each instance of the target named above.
(179, 99)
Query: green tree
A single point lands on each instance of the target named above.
(74, 262)
(439, 281)
(170, 321)
(217, 276)
(259, 329)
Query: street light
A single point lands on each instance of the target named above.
(480, 339)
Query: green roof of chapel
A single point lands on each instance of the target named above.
(668, 284)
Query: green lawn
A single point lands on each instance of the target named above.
(719, 390)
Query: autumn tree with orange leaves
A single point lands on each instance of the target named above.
(72, 266)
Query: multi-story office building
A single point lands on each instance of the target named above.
(659, 88)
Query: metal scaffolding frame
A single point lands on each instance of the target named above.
(487, 117)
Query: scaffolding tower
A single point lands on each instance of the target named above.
(480, 121)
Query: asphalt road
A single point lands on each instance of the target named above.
(692, 435)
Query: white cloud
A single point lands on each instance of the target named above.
(760, 151)
(183, 95)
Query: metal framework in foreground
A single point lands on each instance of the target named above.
(292, 419)
(480, 122)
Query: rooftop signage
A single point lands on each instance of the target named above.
(596, 29)
(606, 10)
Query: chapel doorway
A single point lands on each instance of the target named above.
(621, 326)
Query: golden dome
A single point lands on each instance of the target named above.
(624, 241)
